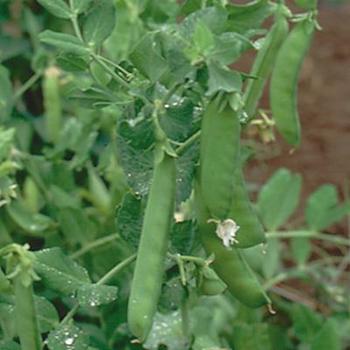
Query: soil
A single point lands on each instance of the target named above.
(324, 105)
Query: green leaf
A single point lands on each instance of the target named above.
(146, 57)
(80, 6)
(72, 62)
(243, 18)
(11, 47)
(129, 219)
(5, 93)
(6, 141)
(75, 225)
(95, 295)
(5, 285)
(178, 119)
(9, 345)
(301, 249)
(68, 337)
(203, 38)
(57, 7)
(59, 272)
(279, 198)
(222, 78)
(35, 224)
(135, 138)
(323, 208)
(327, 338)
(182, 237)
(64, 42)
(166, 331)
(99, 23)
(252, 337)
(307, 323)
(47, 314)
(229, 47)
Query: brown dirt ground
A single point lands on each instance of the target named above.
(324, 105)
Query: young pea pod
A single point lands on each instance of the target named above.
(210, 283)
(25, 315)
(149, 269)
(229, 263)
(219, 153)
(52, 104)
(263, 64)
(283, 87)
(250, 231)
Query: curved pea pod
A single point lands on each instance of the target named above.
(229, 264)
(149, 269)
(263, 65)
(283, 87)
(210, 283)
(219, 152)
(250, 231)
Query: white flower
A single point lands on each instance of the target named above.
(226, 230)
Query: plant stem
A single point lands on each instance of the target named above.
(310, 234)
(95, 244)
(117, 269)
(115, 76)
(27, 85)
(181, 149)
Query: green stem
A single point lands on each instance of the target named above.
(310, 234)
(115, 76)
(116, 65)
(117, 269)
(181, 149)
(103, 280)
(95, 244)
(27, 85)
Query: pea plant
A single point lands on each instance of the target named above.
(125, 219)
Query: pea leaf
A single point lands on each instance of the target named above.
(307, 323)
(57, 8)
(279, 198)
(35, 224)
(66, 337)
(129, 219)
(166, 330)
(301, 249)
(9, 345)
(80, 6)
(323, 208)
(252, 337)
(59, 272)
(327, 337)
(95, 295)
(222, 78)
(272, 259)
(6, 142)
(243, 18)
(99, 23)
(64, 42)
(146, 57)
(182, 237)
(5, 93)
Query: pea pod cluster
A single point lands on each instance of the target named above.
(283, 87)
(149, 269)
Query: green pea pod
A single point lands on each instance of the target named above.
(219, 152)
(52, 104)
(263, 65)
(229, 264)
(210, 283)
(25, 313)
(149, 269)
(283, 87)
(250, 231)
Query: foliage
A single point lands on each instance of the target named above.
(108, 80)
